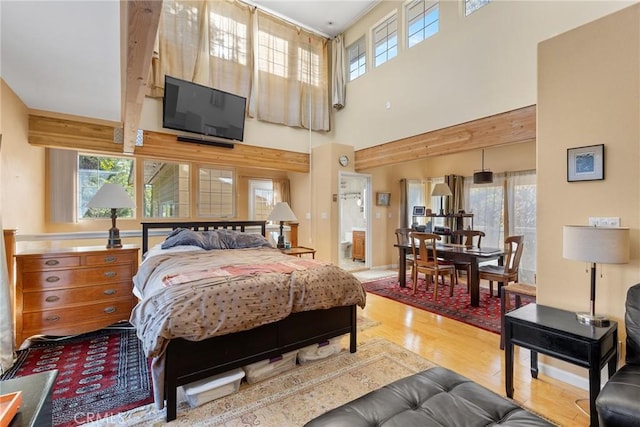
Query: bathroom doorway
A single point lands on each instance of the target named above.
(354, 208)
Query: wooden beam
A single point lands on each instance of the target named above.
(71, 134)
(142, 20)
(164, 146)
(501, 129)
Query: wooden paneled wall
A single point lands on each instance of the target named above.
(83, 136)
(506, 128)
(500, 129)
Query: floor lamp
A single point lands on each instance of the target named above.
(602, 245)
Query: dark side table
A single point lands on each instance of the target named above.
(36, 398)
(557, 333)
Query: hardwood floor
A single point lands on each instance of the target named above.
(476, 354)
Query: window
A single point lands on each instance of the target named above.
(471, 6)
(273, 54)
(416, 190)
(93, 171)
(487, 203)
(357, 59)
(261, 200)
(423, 20)
(166, 190)
(216, 188)
(385, 41)
(228, 39)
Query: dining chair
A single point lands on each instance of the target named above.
(425, 260)
(402, 238)
(507, 273)
(466, 238)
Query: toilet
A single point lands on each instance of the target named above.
(345, 245)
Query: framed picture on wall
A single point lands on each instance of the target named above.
(383, 199)
(585, 163)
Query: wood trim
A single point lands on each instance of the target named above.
(165, 146)
(71, 134)
(9, 236)
(506, 128)
(61, 133)
(143, 18)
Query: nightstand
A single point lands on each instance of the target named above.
(70, 291)
(299, 251)
(557, 333)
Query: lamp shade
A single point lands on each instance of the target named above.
(111, 196)
(282, 212)
(441, 189)
(603, 245)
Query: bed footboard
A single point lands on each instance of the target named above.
(188, 361)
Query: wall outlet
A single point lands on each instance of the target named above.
(611, 221)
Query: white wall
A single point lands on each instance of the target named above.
(476, 66)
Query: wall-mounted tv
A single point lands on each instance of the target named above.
(195, 108)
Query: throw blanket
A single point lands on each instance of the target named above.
(201, 294)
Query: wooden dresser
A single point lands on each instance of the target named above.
(70, 291)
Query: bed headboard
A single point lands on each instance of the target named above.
(199, 226)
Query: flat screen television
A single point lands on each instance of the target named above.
(191, 107)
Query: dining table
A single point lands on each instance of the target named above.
(456, 253)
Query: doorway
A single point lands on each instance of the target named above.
(354, 228)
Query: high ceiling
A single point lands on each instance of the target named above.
(66, 56)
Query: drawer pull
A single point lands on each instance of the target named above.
(52, 298)
(110, 310)
(52, 262)
(52, 318)
(52, 279)
(110, 274)
(110, 258)
(110, 291)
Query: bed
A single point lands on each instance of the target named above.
(307, 302)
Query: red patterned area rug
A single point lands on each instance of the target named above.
(99, 374)
(457, 307)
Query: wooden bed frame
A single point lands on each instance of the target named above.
(188, 361)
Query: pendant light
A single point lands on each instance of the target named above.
(483, 176)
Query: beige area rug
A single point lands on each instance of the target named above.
(295, 397)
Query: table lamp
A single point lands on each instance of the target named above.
(281, 212)
(604, 245)
(442, 190)
(114, 197)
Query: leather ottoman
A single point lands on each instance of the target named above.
(435, 397)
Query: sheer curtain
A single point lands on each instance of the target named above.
(204, 42)
(521, 210)
(485, 202)
(6, 312)
(281, 190)
(338, 72)
(506, 207)
(292, 82)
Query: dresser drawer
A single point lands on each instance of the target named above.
(111, 258)
(34, 281)
(56, 318)
(41, 263)
(55, 298)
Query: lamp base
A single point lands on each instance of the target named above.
(114, 240)
(592, 319)
(280, 244)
